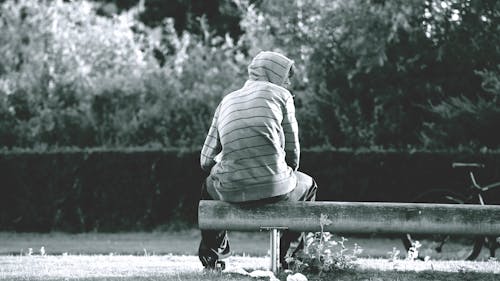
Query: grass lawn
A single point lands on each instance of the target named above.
(172, 256)
(160, 243)
(174, 267)
(169, 242)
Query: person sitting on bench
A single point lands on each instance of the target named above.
(252, 152)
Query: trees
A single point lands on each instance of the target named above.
(385, 73)
(56, 58)
(370, 73)
(70, 77)
(466, 39)
(221, 15)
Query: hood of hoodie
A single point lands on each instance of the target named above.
(270, 67)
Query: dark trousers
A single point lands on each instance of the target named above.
(214, 244)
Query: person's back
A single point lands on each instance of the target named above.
(252, 152)
(257, 131)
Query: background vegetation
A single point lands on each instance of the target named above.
(386, 74)
(142, 189)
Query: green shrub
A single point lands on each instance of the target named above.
(73, 189)
(71, 77)
(370, 74)
(57, 56)
(370, 69)
(467, 121)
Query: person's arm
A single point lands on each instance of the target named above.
(291, 131)
(212, 145)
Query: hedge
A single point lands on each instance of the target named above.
(122, 190)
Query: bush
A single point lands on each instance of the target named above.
(57, 57)
(370, 69)
(465, 121)
(370, 74)
(144, 189)
(71, 77)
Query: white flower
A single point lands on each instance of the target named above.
(327, 236)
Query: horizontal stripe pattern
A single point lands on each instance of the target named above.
(255, 134)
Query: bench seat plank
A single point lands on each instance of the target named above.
(353, 217)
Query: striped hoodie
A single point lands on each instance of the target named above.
(252, 147)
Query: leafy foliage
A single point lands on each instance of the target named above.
(372, 68)
(70, 77)
(467, 121)
(370, 73)
(323, 254)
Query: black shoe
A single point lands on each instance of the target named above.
(216, 263)
(212, 264)
(208, 262)
(211, 258)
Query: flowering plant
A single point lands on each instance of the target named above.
(323, 252)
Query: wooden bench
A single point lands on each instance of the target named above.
(349, 217)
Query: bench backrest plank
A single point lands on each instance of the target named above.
(353, 217)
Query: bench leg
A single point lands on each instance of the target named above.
(275, 249)
(274, 245)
